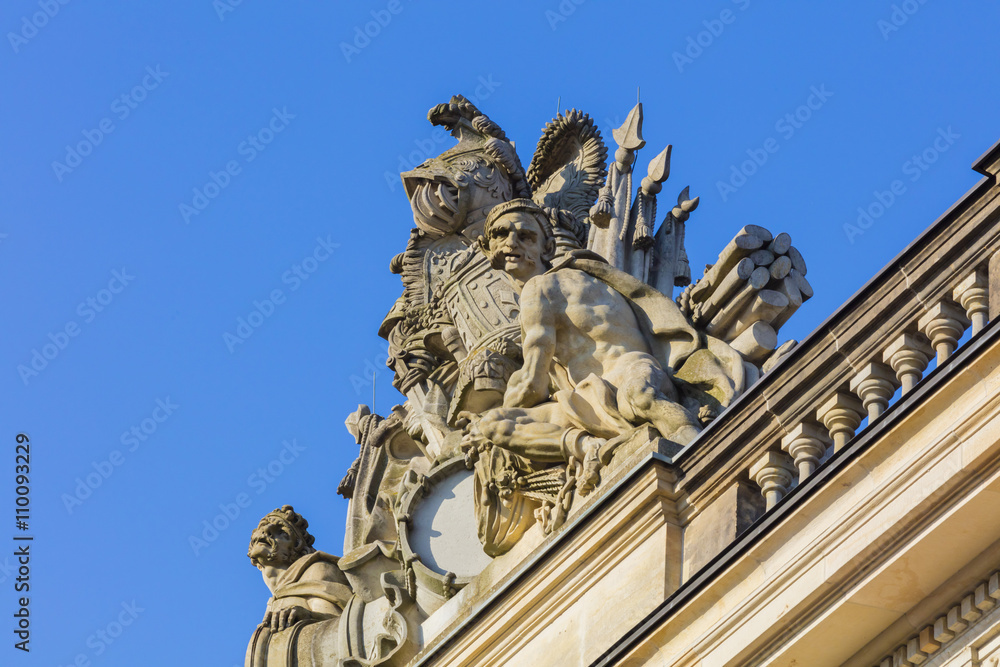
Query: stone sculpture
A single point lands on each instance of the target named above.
(306, 585)
(536, 335)
(590, 372)
(312, 602)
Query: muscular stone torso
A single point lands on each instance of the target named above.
(594, 325)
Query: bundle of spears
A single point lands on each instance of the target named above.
(758, 282)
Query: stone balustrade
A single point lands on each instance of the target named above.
(873, 352)
(932, 338)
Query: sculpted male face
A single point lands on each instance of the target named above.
(272, 545)
(517, 245)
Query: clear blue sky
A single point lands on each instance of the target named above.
(141, 103)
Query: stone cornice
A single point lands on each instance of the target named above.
(953, 621)
(988, 164)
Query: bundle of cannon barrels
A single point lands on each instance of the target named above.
(758, 282)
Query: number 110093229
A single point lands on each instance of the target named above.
(22, 462)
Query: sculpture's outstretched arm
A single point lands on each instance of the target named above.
(529, 385)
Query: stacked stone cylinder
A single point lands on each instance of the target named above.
(758, 282)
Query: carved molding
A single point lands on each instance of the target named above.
(948, 627)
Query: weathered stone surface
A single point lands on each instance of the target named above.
(719, 524)
(308, 590)
(573, 439)
(541, 354)
(994, 274)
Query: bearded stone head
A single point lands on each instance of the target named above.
(518, 239)
(280, 539)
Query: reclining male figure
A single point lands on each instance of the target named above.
(580, 336)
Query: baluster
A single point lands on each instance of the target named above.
(773, 473)
(908, 356)
(974, 295)
(842, 415)
(875, 384)
(806, 443)
(944, 324)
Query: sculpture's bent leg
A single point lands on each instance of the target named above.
(647, 394)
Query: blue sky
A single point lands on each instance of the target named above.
(170, 169)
